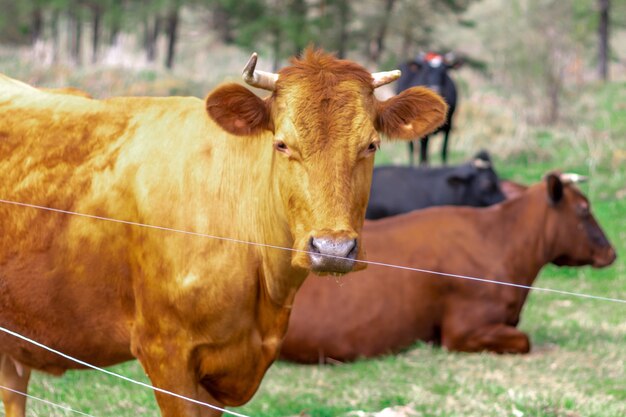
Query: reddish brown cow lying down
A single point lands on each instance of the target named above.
(382, 310)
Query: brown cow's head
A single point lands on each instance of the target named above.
(580, 240)
(326, 126)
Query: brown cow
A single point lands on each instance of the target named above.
(204, 316)
(382, 310)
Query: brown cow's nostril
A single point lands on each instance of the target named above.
(312, 246)
(344, 248)
(332, 255)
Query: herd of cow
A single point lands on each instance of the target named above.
(211, 214)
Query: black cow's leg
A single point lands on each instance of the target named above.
(424, 150)
(444, 147)
(411, 152)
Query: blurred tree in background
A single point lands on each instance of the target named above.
(534, 46)
(603, 38)
(287, 25)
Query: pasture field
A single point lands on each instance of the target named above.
(577, 366)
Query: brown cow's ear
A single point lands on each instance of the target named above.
(555, 188)
(238, 110)
(411, 114)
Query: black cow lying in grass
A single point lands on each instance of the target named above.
(397, 189)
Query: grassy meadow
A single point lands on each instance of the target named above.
(577, 366)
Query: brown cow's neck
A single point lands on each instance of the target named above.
(280, 279)
(525, 238)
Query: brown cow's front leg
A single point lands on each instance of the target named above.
(205, 397)
(15, 376)
(167, 365)
(163, 375)
(498, 338)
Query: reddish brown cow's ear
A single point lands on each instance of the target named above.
(411, 114)
(238, 110)
(555, 188)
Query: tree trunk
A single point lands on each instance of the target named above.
(407, 42)
(603, 32)
(37, 25)
(172, 32)
(151, 37)
(115, 11)
(75, 36)
(295, 24)
(554, 83)
(95, 39)
(344, 19)
(114, 33)
(78, 42)
(54, 29)
(377, 44)
(223, 25)
(276, 48)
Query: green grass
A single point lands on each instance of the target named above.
(578, 363)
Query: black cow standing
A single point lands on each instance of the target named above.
(431, 70)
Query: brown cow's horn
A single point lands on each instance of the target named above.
(382, 78)
(570, 177)
(256, 78)
(481, 163)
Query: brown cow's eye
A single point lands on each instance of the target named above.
(281, 146)
(373, 147)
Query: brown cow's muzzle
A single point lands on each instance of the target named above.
(326, 251)
(605, 258)
(332, 254)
